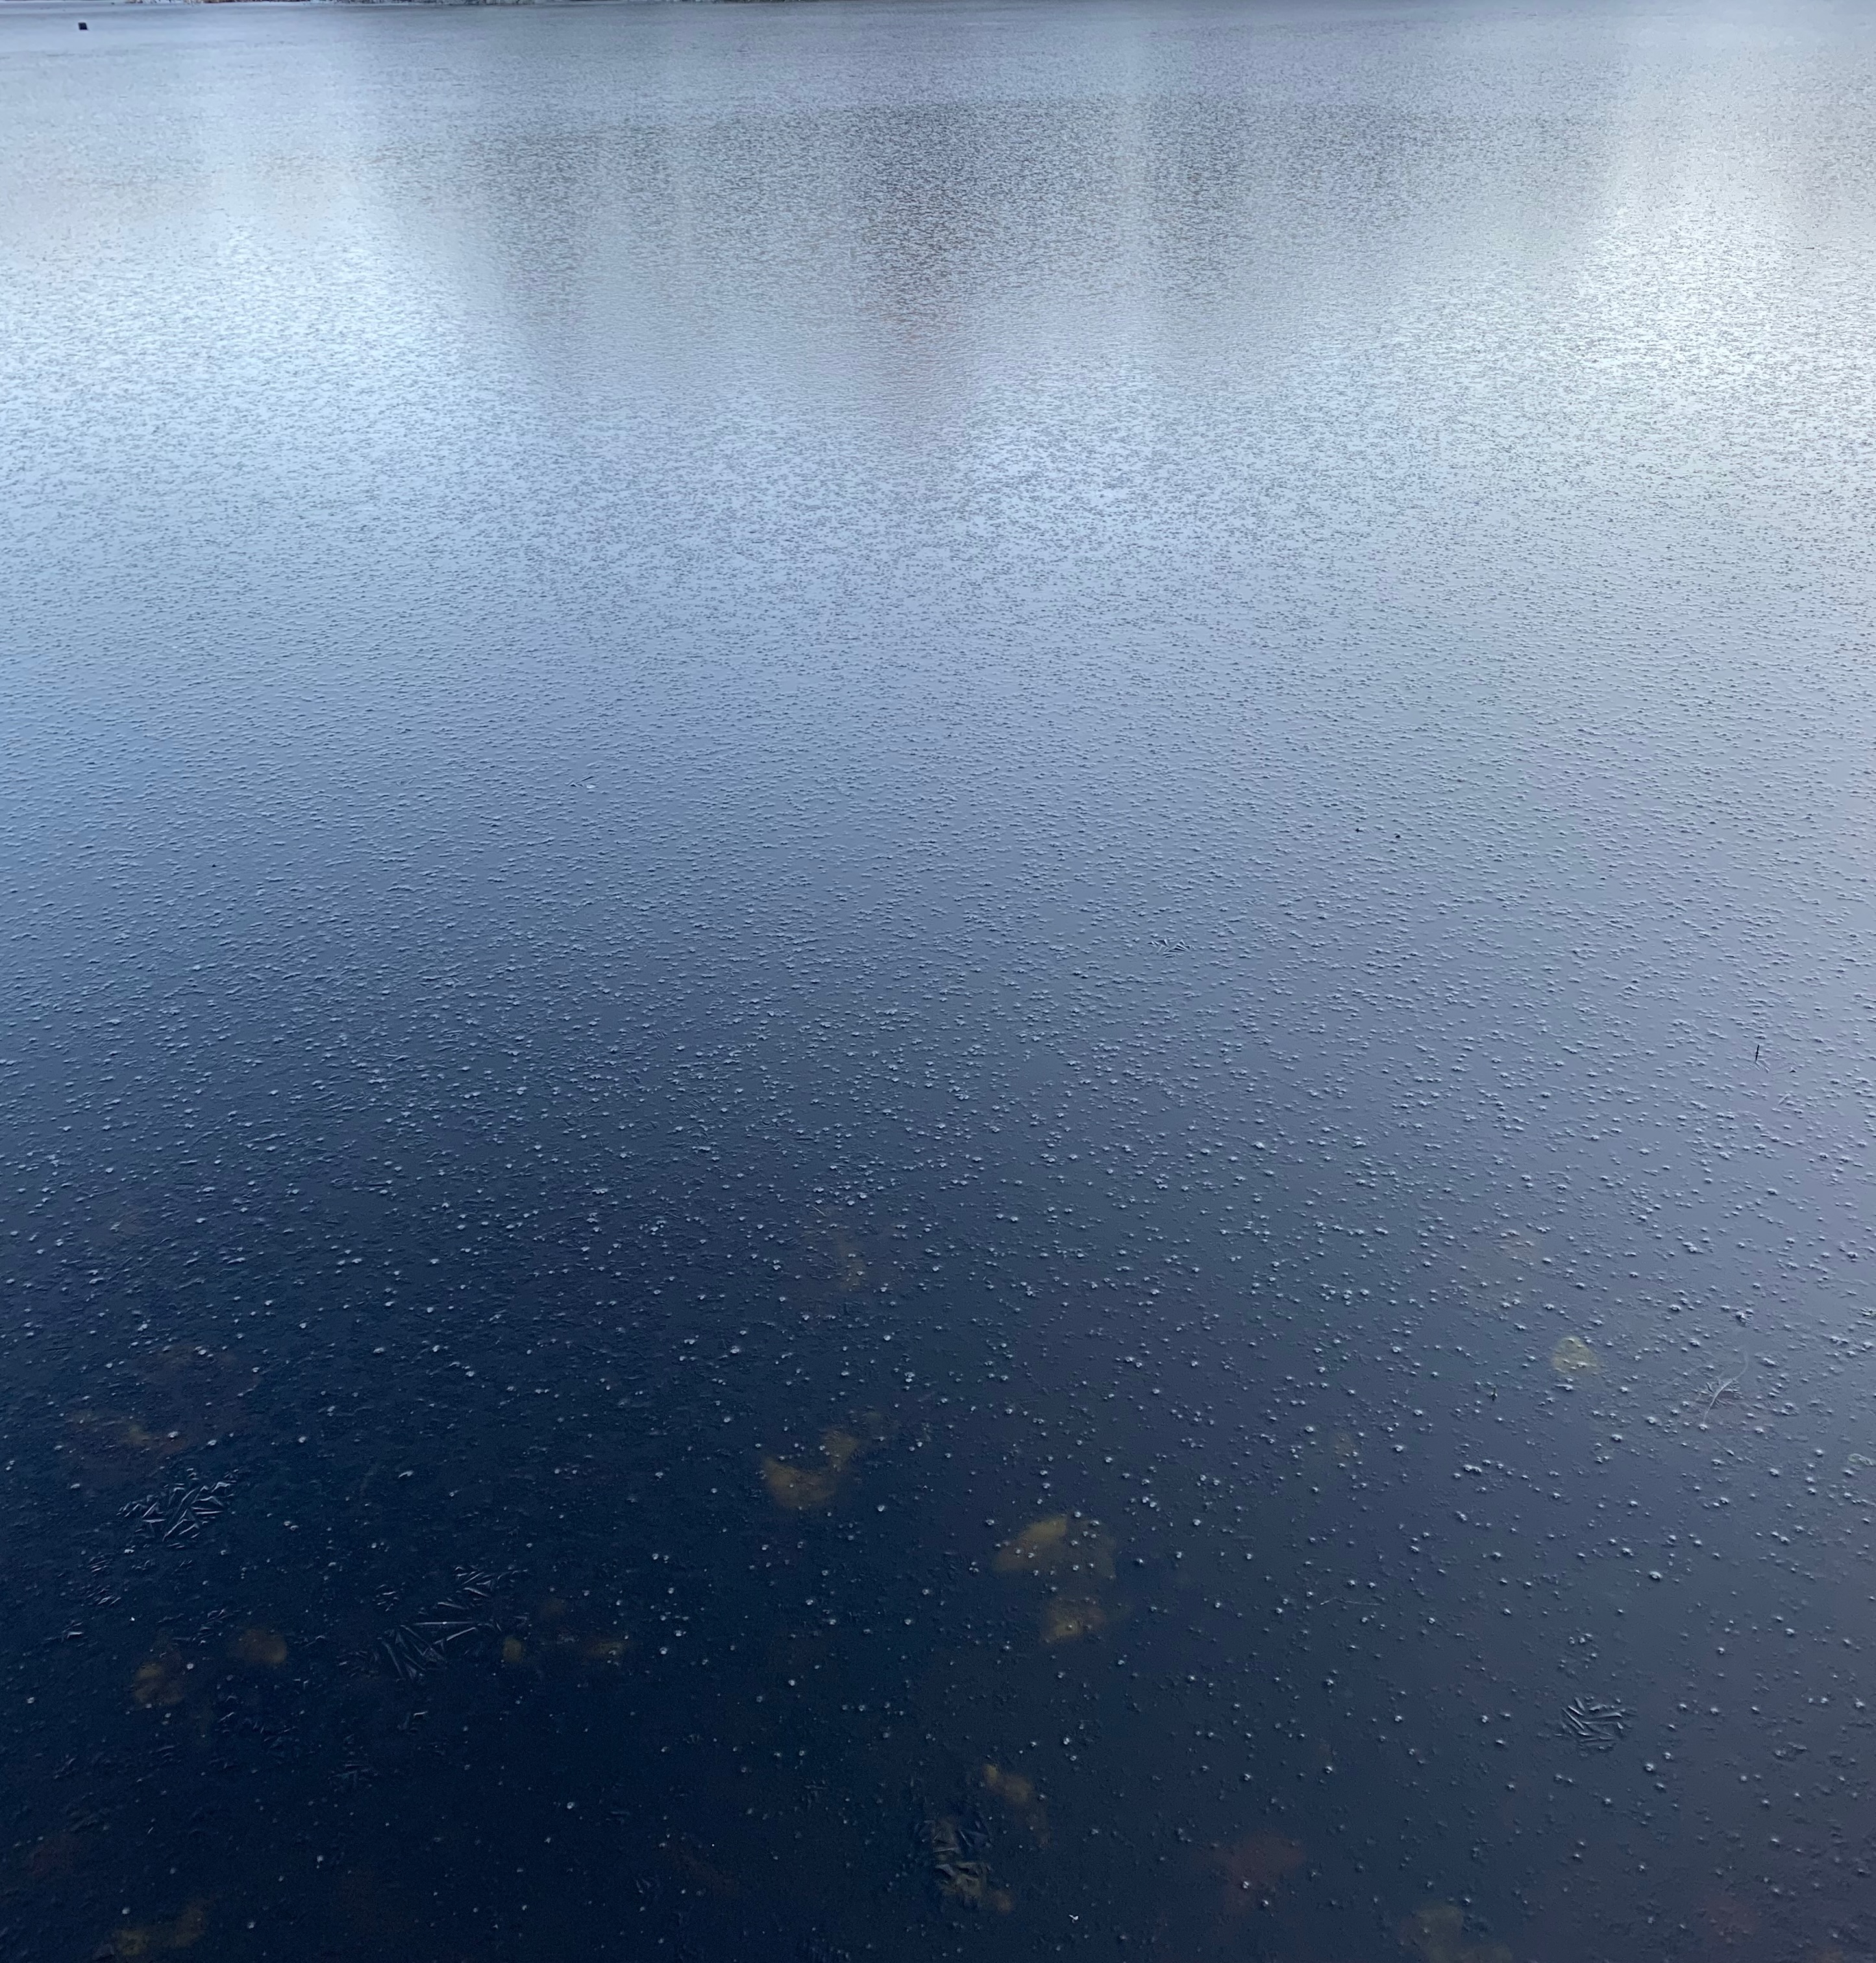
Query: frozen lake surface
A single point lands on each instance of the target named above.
(937, 1012)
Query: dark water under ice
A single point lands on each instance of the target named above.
(936, 984)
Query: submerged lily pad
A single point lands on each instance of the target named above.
(1062, 1544)
(263, 1649)
(160, 1683)
(1572, 1357)
(1437, 1933)
(806, 1489)
(1066, 1618)
(839, 1258)
(1252, 1866)
(1019, 1794)
(149, 1938)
